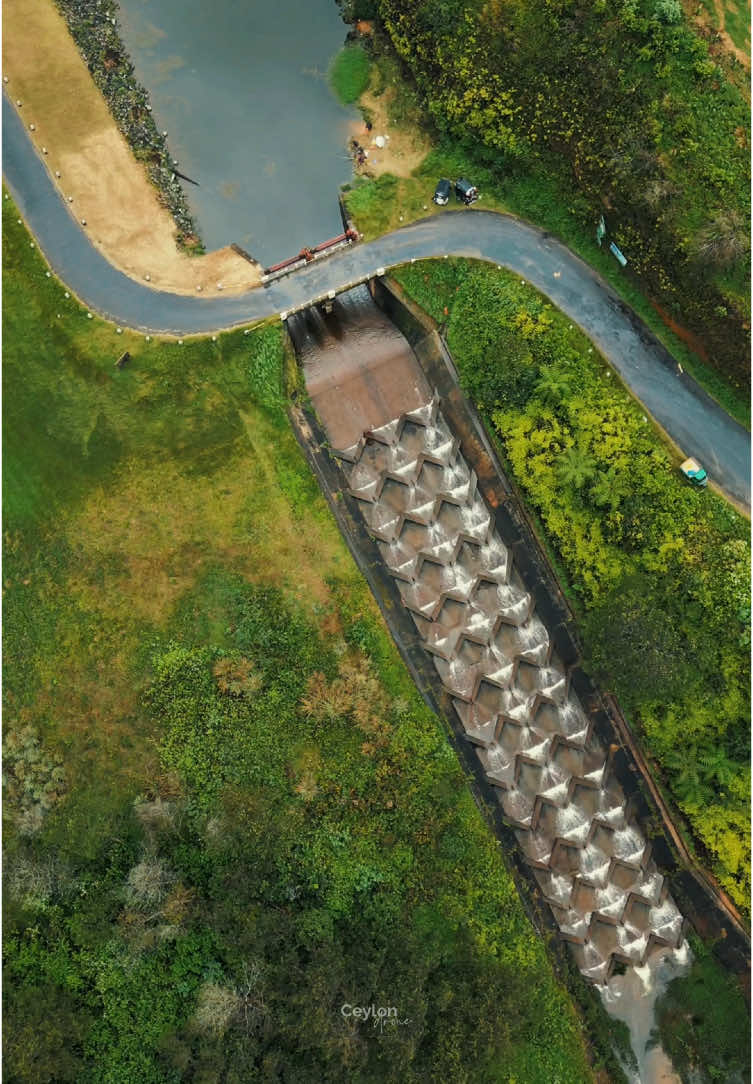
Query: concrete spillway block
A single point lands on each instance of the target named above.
(494, 656)
(480, 724)
(499, 767)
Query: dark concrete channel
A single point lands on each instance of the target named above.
(691, 893)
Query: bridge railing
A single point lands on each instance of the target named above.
(309, 255)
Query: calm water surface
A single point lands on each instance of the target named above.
(241, 89)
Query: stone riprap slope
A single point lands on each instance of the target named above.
(420, 501)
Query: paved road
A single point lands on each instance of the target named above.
(693, 420)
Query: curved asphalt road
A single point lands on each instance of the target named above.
(692, 418)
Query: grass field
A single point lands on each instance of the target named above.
(121, 488)
(211, 810)
(737, 23)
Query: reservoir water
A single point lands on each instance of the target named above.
(242, 91)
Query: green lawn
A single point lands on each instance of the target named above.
(735, 20)
(737, 23)
(227, 810)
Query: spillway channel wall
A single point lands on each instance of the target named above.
(693, 897)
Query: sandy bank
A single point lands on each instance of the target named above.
(110, 188)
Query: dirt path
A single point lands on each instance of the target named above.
(718, 23)
(110, 189)
(742, 55)
(404, 149)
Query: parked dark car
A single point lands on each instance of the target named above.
(465, 191)
(442, 192)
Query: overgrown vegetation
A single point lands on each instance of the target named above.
(575, 113)
(703, 1024)
(658, 571)
(644, 123)
(250, 818)
(349, 73)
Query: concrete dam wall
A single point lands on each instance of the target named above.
(510, 688)
(494, 656)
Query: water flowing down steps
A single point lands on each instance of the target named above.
(419, 500)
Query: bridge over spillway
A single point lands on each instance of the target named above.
(694, 421)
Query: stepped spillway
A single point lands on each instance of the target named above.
(420, 501)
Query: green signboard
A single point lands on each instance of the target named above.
(601, 229)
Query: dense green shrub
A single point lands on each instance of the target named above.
(660, 571)
(703, 1024)
(349, 73)
(33, 781)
